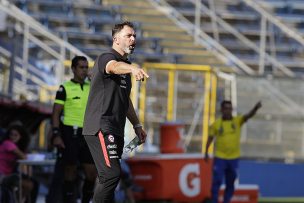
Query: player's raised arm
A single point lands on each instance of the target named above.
(253, 111)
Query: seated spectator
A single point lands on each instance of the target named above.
(13, 147)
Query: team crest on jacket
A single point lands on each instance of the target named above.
(111, 138)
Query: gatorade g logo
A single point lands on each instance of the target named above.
(189, 180)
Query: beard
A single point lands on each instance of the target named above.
(129, 49)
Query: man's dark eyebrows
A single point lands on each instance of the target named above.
(84, 66)
(130, 34)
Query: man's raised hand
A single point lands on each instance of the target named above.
(139, 73)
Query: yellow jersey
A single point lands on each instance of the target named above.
(227, 134)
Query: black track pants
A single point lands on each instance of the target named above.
(106, 151)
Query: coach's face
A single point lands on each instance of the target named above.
(126, 39)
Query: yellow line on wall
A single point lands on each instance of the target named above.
(213, 104)
(170, 101)
(42, 134)
(142, 101)
(206, 110)
(213, 98)
(170, 66)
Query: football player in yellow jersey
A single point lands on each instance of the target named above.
(226, 132)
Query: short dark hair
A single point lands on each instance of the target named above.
(118, 27)
(223, 103)
(24, 141)
(76, 59)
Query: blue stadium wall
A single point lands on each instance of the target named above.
(274, 179)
